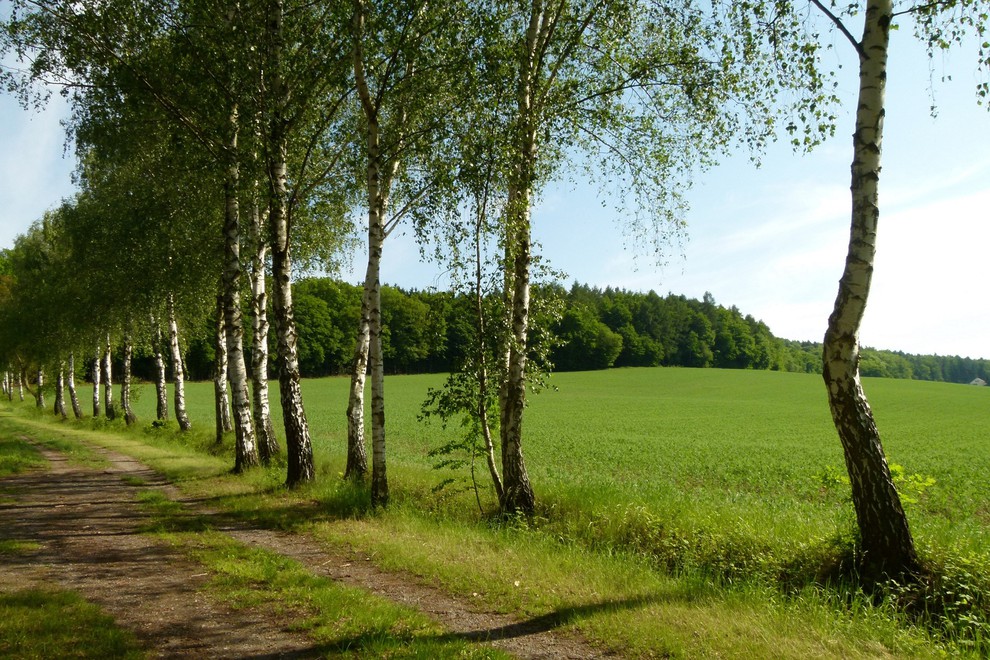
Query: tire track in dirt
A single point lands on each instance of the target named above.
(88, 526)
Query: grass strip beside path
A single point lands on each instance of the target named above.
(47, 623)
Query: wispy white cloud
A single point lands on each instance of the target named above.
(930, 275)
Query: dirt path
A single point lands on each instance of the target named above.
(87, 526)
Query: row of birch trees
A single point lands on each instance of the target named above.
(221, 145)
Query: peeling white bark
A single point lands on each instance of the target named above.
(887, 546)
(246, 449)
(264, 428)
(161, 379)
(73, 394)
(357, 456)
(517, 492)
(39, 400)
(60, 391)
(178, 374)
(125, 382)
(377, 199)
(220, 398)
(298, 446)
(96, 383)
(108, 408)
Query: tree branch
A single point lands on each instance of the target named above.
(842, 28)
(920, 8)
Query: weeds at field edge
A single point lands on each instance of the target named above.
(951, 599)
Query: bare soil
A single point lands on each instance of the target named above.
(86, 523)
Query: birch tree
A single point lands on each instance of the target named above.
(301, 89)
(129, 52)
(402, 59)
(125, 378)
(39, 394)
(642, 94)
(161, 387)
(886, 546)
(178, 372)
(71, 383)
(95, 377)
(557, 58)
(299, 447)
(261, 407)
(124, 210)
(106, 370)
(36, 323)
(60, 409)
(224, 423)
(468, 391)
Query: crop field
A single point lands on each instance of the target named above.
(752, 450)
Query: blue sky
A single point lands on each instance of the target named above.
(771, 241)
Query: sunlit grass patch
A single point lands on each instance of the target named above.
(13, 547)
(17, 455)
(338, 618)
(60, 438)
(40, 624)
(169, 516)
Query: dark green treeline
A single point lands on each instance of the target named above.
(427, 331)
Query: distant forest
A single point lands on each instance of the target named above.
(428, 331)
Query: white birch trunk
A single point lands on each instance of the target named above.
(379, 478)
(161, 380)
(178, 374)
(517, 492)
(887, 547)
(372, 291)
(108, 408)
(60, 392)
(40, 399)
(220, 398)
(73, 394)
(264, 428)
(96, 382)
(246, 450)
(379, 176)
(357, 456)
(20, 386)
(125, 382)
(298, 446)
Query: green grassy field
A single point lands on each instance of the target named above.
(697, 508)
(750, 447)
